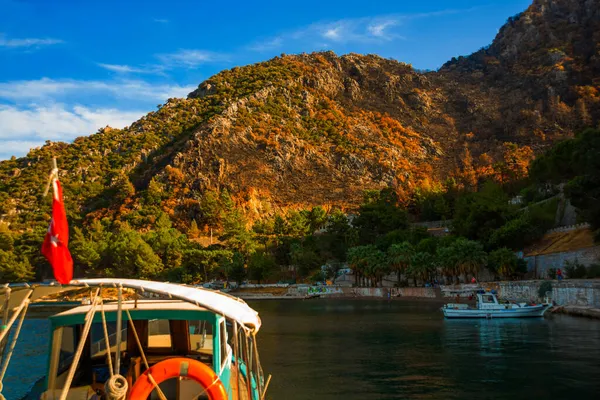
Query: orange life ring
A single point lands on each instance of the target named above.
(175, 367)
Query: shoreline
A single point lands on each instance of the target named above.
(573, 311)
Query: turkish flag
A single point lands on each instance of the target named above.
(57, 239)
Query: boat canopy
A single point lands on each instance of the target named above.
(220, 303)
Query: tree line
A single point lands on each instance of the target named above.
(375, 240)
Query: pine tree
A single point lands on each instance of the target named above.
(194, 232)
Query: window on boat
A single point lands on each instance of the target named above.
(223, 343)
(201, 336)
(488, 299)
(98, 342)
(159, 334)
(68, 345)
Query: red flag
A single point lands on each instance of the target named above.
(57, 239)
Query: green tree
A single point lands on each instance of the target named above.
(123, 187)
(6, 240)
(399, 256)
(504, 262)
(235, 233)
(470, 257)
(379, 214)
(155, 192)
(479, 214)
(86, 253)
(339, 235)
(422, 266)
(368, 263)
(193, 231)
(235, 268)
(129, 255)
(317, 218)
(261, 265)
(304, 258)
(212, 205)
(14, 269)
(575, 162)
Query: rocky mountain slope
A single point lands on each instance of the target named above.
(319, 129)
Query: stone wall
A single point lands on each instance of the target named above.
(540, 264)
(566, 293)
(424, 292)
(577, 292)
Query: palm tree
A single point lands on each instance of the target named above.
(367, 262)
(470, 256)
(422, 267)
(447, 259)
(504, 262)
(400, 256)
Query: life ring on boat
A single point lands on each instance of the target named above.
(176, 367)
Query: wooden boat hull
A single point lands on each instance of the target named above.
(520, 312)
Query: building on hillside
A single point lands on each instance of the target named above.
(558, 246)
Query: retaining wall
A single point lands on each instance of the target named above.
(566, 293)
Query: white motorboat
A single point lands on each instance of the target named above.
(488, 306)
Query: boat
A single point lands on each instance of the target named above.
(488, 306)
(167, 341)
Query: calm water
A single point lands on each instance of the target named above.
(369, 349)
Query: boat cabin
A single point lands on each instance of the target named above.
(164, 329)
(487, 300)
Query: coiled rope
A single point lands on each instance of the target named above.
(116, 386)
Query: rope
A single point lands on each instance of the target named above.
(150, 377)
(6, 328)
(5, 318)
(89, 318)
(206, 388)
(13, 343)
(116, 388)
(106, 339)
(118, 333)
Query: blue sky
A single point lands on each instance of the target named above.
(69, 67)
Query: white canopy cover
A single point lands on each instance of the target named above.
(215, 301)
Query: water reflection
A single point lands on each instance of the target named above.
(366, 349)
(370, 349)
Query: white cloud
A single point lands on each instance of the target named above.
(370, 30)
(28, 42)
(357, 30)
(332, 33)
(269, 44)
(27, 127)
(161, 20)
(190, 58)
(127, 69)
(47, 88)
(379, 29)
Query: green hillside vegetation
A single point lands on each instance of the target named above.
(377, 240)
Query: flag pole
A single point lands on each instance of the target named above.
(53, 174)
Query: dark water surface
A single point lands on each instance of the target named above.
(371, 349)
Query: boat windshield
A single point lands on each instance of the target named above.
(159, 338)
(488, 299)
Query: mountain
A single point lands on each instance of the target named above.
(319, 129)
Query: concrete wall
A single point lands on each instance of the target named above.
(539, 265)
(577, 292)
(426, 292)
(566, 293)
